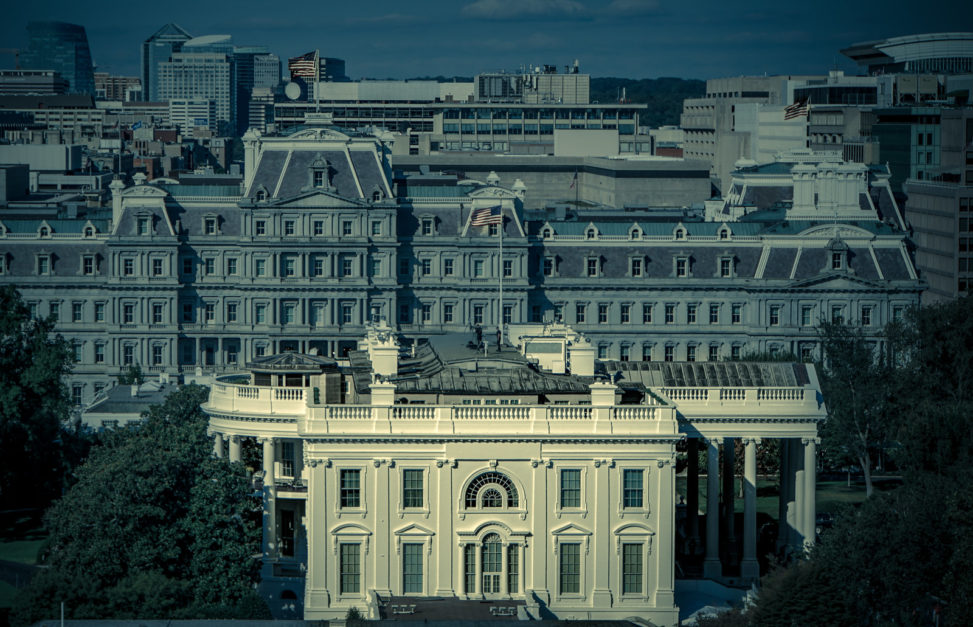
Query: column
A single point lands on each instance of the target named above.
(602, 538)
(478, 589)
(504, 568)
(810, 481)
(749, 567)
(711, 566)
(383, 548)
(218, 444)
(692, 496)
(522, 583)
(665, 584)
(270, 500)
(236, 453)
(784, 493)
(444, 536)
(541, 536)
(729, 499)
(796, 516)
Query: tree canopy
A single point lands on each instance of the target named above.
(156, 527)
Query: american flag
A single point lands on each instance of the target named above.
(796, 110)
(485, 216)
(574, 181)
(304, 66)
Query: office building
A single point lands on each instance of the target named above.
(254, 68)
(201, 76)
(63, 48)
(429, 479)
(908, 139)
(157, 49)
(192, 114)
(32, 83)
(930, 53)
(535, 85)
(118, 88)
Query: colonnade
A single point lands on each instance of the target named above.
(797, 514)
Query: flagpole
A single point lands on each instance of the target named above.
(500, 317)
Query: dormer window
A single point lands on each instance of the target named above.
(680, 234)
(45, 232)
(837, 261)
(209, 226)
(590, 234)
(262, 194)
(724, 234)
(89, 231)
(143, 225)
(726, 267)
(318, 178)
(635, 234)
(428, 226)
(376, 196)
(546, 233)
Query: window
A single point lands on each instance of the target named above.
(289, 313)
(774, 315)
(603, 351)
(477, 314)
(490, 481)
(735, 352)
(492, 557)
(571, 487)
(632, 492)
(88, 265)
(143, 226)
(866, 316)
(427, 224)
(626, 313)
(691, 353)
(318, 178)
(289, 268)
(346, 266)
(898, 313)
(425, 312)
(447, 313)
(77, 310)
(548, 266)
(99, 353)
(469, 568)
(836, 261)
(714, 313)
(513, 568)
(317, 266)
(260, 227)
(646, 314)
(260, 267)
(631, 569)
(691, 310)
(128, 267)
(288, 227)
(374, 267)
(128, 313)
(448, 267)
(55, 309)
(231, 312)
(412, 568)
(736, 313)
(508, 314)
(128, 355)
(477, 268)
(569, 568)
(376, 228)
(806, 312)
(187, 266)
(646, 352)
(210, 226)
(602, 313)
(157, 313)
(591, 267)
(187, 312)
(209, 312)
(508, 267)
(837, 314)
(260, 313)
(493, 230)
(99, 312)
(670, 313)
(579, 312)
(714, 352)
(350, 568)
(346, 227)
(412, 488)
(209, 266)
(682, 265)
(636, 267)
(231, 266)
(76, 348)
(726, 267)
(157, 355)
(77, 392)
(670, 353)
(625, 352)
(347, 310)
(559, 312)
(425, 266)
(319, 227)
(350, 488)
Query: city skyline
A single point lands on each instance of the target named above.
(627, 38)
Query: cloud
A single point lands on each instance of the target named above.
(634, 7)
(508, 9)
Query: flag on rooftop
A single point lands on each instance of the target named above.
(574, 181)
(796, 110)
(137, 125)
(304, 66)
(485, 216)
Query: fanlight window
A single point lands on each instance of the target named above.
(484, 489)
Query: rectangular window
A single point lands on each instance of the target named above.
(260, 313)
(571, 487)
(412, 568)
(210, 226)
(624, 352)
(287, 459)
(289, 268)
(836, 261)
(156, 355)
(350, 568)
(99, 353)
(636, 267)
(350, 488)
(477, 314)
(646, 352)
(548, 266)
(898, 313)
(714, 313)
(231, 312)
(714, 352)
(734, 353)
(670, 353)
(317, 266)
(806, 311)
(632, 488)
(425, 266)
(143, 226)
(866, 316)
(288, 227)
(725, 267)
(508, 314)
(626, 313)
(477, 268)
(187, 312)
(513, 568)
(670, 314)
(55, 309)
(469, 568)
(508, 267)
(346, 266)
(187, 266)
(691, 313)
(427, 226)
(77, 309)
(681, 265)
(646, 314)
(425, 311)
(76, 349)
(837, 314)
(559, 312)
(736, 313)
(346, 227)
(128, 313)
(289, 313)
(231, 266)
(319, 227)
(579, 312)
(128, 355)
(77, 392)
(592, 266)
(43, 265)
(347, 311)
(376, 228)
(690, 353)
(631, 569)
(128, 267)
(260, 267)
(448, 267)
(447, 313)
(260, 227)
(412, 488)
(209, 312)
(157, 313)
(775, 315)
(569, 569)
(88, 265)
(602, 313)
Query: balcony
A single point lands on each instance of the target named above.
(228, 396)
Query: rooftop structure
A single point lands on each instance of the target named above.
(159, 48)
(63, 48)
(32, 83)
(939, 53)
(423, 477)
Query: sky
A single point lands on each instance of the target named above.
(625, 38)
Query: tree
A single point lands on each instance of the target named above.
(155, 527)
(33, 404)
(857, 382)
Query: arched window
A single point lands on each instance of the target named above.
(546, 233)
(680, 234)
(492, 563)
(88, 231)
(44, 231)
(590, 234)
(489, 487)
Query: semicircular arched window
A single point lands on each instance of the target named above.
(493, 485)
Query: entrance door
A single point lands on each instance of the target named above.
(492, 564)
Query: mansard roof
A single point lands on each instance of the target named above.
(710, 373)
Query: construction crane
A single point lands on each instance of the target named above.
(15, 52)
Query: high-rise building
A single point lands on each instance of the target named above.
(63, 48)
(201, 75)
(158, 49)
(940, 53)
(119, 88)
(32, 82)
(253, 67)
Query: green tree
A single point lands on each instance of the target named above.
(33, 404)
(155, 528)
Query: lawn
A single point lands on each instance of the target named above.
(21, 536)
(830, 495)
